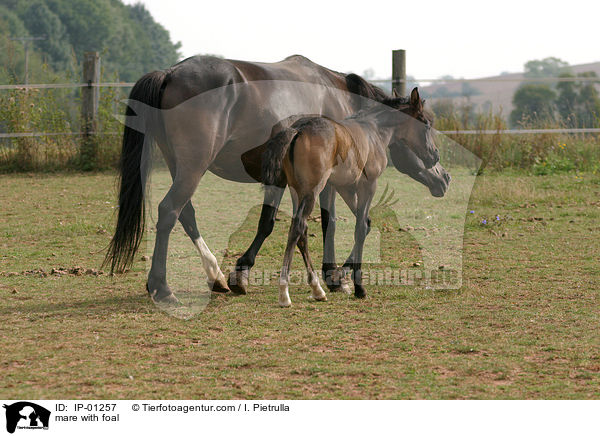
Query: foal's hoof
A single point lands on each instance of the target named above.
(238, 282)
(317, 298)
(219, 285)
(336, 281)
(343, 286)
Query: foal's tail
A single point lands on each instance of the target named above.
(133, 172)
(272, 158)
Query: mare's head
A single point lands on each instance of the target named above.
(413, 126)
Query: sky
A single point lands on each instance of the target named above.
(459, 38)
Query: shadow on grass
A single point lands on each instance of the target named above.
(95, 306)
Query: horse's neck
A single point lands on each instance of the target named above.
(376, 135)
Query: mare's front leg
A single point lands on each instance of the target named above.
(364, 195)
(238, 279)
(332, 275)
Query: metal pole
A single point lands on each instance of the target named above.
(26, 40)
(26, 43)
(90, 97)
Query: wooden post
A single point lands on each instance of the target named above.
(399, 71)
(90, 97)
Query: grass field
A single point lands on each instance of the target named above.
(524, 324)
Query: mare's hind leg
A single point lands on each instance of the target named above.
(297, 228)
(187, 218)
(169, 210)
(216, 279)
(238, 279)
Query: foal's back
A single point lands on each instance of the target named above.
(322, 150)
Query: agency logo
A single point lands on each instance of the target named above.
(26, 415)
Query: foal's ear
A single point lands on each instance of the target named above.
(395, 93)
(415, 100)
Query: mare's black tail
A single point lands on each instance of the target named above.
(132, 214)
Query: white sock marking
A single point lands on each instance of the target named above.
(284, 295)
(209, 261)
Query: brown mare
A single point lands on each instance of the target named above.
(349, 155)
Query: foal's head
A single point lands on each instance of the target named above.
(413, 126)
(435, 178)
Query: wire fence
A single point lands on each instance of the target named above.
(496, 79)
(449, 132)
(68, 85)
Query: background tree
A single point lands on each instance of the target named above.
(566, 102)
(533, 104)
(578, 103)
(588, 113)
(468, 90)
(129, 40)
(547, 67)
(12, 59)
(41, 21)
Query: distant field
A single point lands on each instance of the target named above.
(524, 324)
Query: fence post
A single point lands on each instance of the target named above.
(399, 71)
(90, 97)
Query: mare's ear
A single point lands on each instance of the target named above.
(415, 100)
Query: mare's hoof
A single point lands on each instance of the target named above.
(162, 295)
(219, 285)
(334, 287)
(359, 292)
(238, 282)
(169, 300)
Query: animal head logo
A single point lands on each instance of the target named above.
(24, 414)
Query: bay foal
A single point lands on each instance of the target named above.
(350, 155)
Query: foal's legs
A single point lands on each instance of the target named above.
(313, 279)
(298, 228)
(238, 279)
